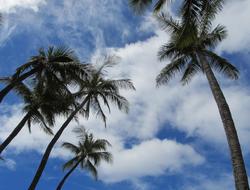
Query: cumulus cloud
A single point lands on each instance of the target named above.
(234, 16)
(150, 158)
(159, 156)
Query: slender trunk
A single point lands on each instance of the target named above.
(14, 132)
(10, 86)
(60, 185)
(239, 170)
(51, 145)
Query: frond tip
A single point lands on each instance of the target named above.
(222, 65)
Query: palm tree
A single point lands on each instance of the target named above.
(191, 52)
(54, 66)
(88, 154)
(94, 90)
(40, 107)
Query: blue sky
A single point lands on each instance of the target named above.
(172, 137)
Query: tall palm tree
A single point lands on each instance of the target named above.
(88, 154)
(40, 107)
(192, 52)
(95, 92)
(51, 66)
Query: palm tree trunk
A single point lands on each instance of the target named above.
(60, 185)
(14, 132)
(10, 86)
(51, 145)
(240, 174)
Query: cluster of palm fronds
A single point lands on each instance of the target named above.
(43, 83)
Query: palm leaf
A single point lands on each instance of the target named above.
(74, 149)
(192, 68)
(211, 40)
(222, 65)
(167, 23)
(91, 168)
(170, 70)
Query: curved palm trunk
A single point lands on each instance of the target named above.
(10, 86)
(60, 185)
(14, 132)
(240, 174)
(51, 145)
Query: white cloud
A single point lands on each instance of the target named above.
(190, 109)
(150, 158)
(151, 109)
(82, 29)
(177, 106)
(7, 6)
(235, 17)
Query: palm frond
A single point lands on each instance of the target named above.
(170, 70)
(208, 11)
(190, 10)
(108, 61)
(222, 65)
(211, 40)
(139, 6)
(159, 5)
(91, 168)
(81, 133)
(122, 84)
(121, 102)
(167, 23)
(97, 157)
(39, 118)
(192, 68)
(99, 111)
(74, 149)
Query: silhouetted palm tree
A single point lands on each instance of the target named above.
(95, 91)
(55, 67)
(89, 153)
(191, 51)
(40, 107)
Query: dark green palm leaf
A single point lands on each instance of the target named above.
(222, 65)
(170, 70)
(168, 23)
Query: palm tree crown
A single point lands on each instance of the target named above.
(40, 106)
(98, 91)
(184, 51)
(88, 154)
(53, 69)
